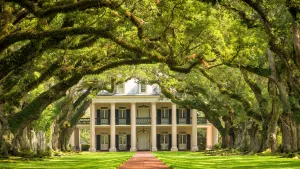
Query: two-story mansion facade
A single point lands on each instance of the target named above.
(136, 118)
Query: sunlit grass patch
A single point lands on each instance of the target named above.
(101, 160)
(191, 160)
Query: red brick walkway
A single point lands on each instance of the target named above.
(143, 160)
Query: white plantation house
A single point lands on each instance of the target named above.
(136, 117)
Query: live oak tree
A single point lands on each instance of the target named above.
(278, 25)
(227, 104)
(63, 41)
(67, 40)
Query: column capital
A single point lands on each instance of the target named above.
(132, 102)
(153, 102)
(174, 105)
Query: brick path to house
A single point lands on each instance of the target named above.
(143, 160)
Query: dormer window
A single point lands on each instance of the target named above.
(120, 88)
(143, 88)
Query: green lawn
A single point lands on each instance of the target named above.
(190, 160)
(103, 160)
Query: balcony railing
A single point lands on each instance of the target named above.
(184, 120)
(164, 120)
(101, 121)
(123, 121)
(181, 120)
(201, 120)
(143, 120)
(84, 121)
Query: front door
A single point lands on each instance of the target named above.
(104, 142)
(182, 142)
(164, 141)
(122, 142)
(143, 140)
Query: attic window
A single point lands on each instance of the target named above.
(155, 89)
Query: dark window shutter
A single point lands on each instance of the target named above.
(98, 142)
(177, 116)
(170, 116)
(170, 141)
(108, 116)
(98, 113)
(188, 141)
(158, 141)
(188, 116)
(109, 142)
(117, 142)
(158, 116)
(178, 141)
(128, 142)
(117, 116)
(128, 117)
(98, 117)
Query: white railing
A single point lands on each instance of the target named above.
(122, 121)
(164, 120)
(182, 120)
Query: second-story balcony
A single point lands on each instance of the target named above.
(141, 121)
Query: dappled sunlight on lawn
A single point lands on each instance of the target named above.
(191, 160)
(83, 160)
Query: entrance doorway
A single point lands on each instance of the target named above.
(122, 142)
(182, 142)
(143, 140)
(104, 142)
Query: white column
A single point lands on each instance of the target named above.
(209, 137)
(174, 128)
(133, 126)
(79, 139)
(194, 130)
(153, 126)
(112, 127)
(72, 140)
(92, 128)
(215, 136)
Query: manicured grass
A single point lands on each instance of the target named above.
(103, 160)
(190, 160)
